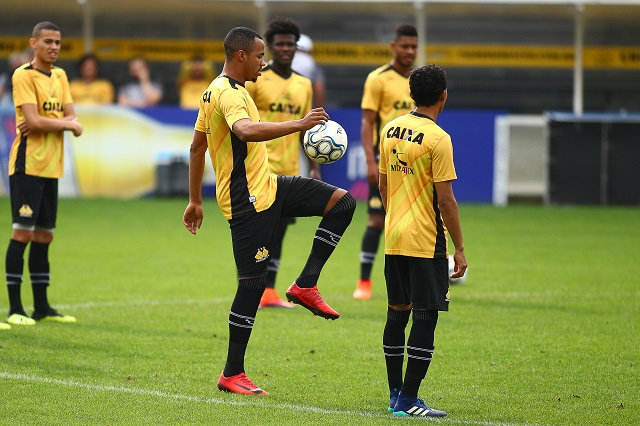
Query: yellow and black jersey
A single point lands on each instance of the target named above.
(244, 183)
(282, 99)
(39, 153)
(414, 154)
(97, 92)
(386, 91)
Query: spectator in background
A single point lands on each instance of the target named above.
(304, 64)
(88, 88)
(6, 86)
(141, 91)
(194, 78)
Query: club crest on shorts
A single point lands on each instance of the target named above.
(375, 203)
(25, 211)
(262, 254)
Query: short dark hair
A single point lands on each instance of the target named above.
(85, 58)
(282, 25)
(239, 38)
(407, 30)
(427, 84)
(44, 25)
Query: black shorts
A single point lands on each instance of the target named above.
(34, 202)
(374, 204)
(422, 282)
(253, 235)
(287, 221)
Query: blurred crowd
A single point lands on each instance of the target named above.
(144, 88)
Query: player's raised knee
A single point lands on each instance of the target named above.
(344, 206)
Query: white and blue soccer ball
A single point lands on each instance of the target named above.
(452, 265)
(325, 143)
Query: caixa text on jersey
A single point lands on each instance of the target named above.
(52, 106)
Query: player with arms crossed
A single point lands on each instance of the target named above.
(281, 94)
(416, 174)
(385, 97)
(44, 110)
(254, 200)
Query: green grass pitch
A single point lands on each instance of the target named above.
(545, 331)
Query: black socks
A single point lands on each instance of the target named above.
(370, 243)
(14, 264)
(241, 319)
(419, 350)
(39, 274)
(326, 238)
(393, 345)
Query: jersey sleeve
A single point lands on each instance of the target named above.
(233, 106)
(24, 90)
(372, 94)
(201, 124)
(442, 160)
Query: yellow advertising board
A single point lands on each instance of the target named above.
(353, 53)
(158, 50)
(118, 154)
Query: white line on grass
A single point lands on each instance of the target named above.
(250, 402)
(146, 303)
(114, 304)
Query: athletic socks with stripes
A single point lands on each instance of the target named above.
(39, 274)
(241, 319)
(370, 243)
(326, 238)
(14, 264)
(419, 350)
(393, 345)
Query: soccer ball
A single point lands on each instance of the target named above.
(325, 143)
(452, 265)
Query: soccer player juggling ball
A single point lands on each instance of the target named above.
(281, 94)
(44, 110)
(416, 173)
(254, 200)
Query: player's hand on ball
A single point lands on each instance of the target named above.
(314, 117)
(192, 218)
